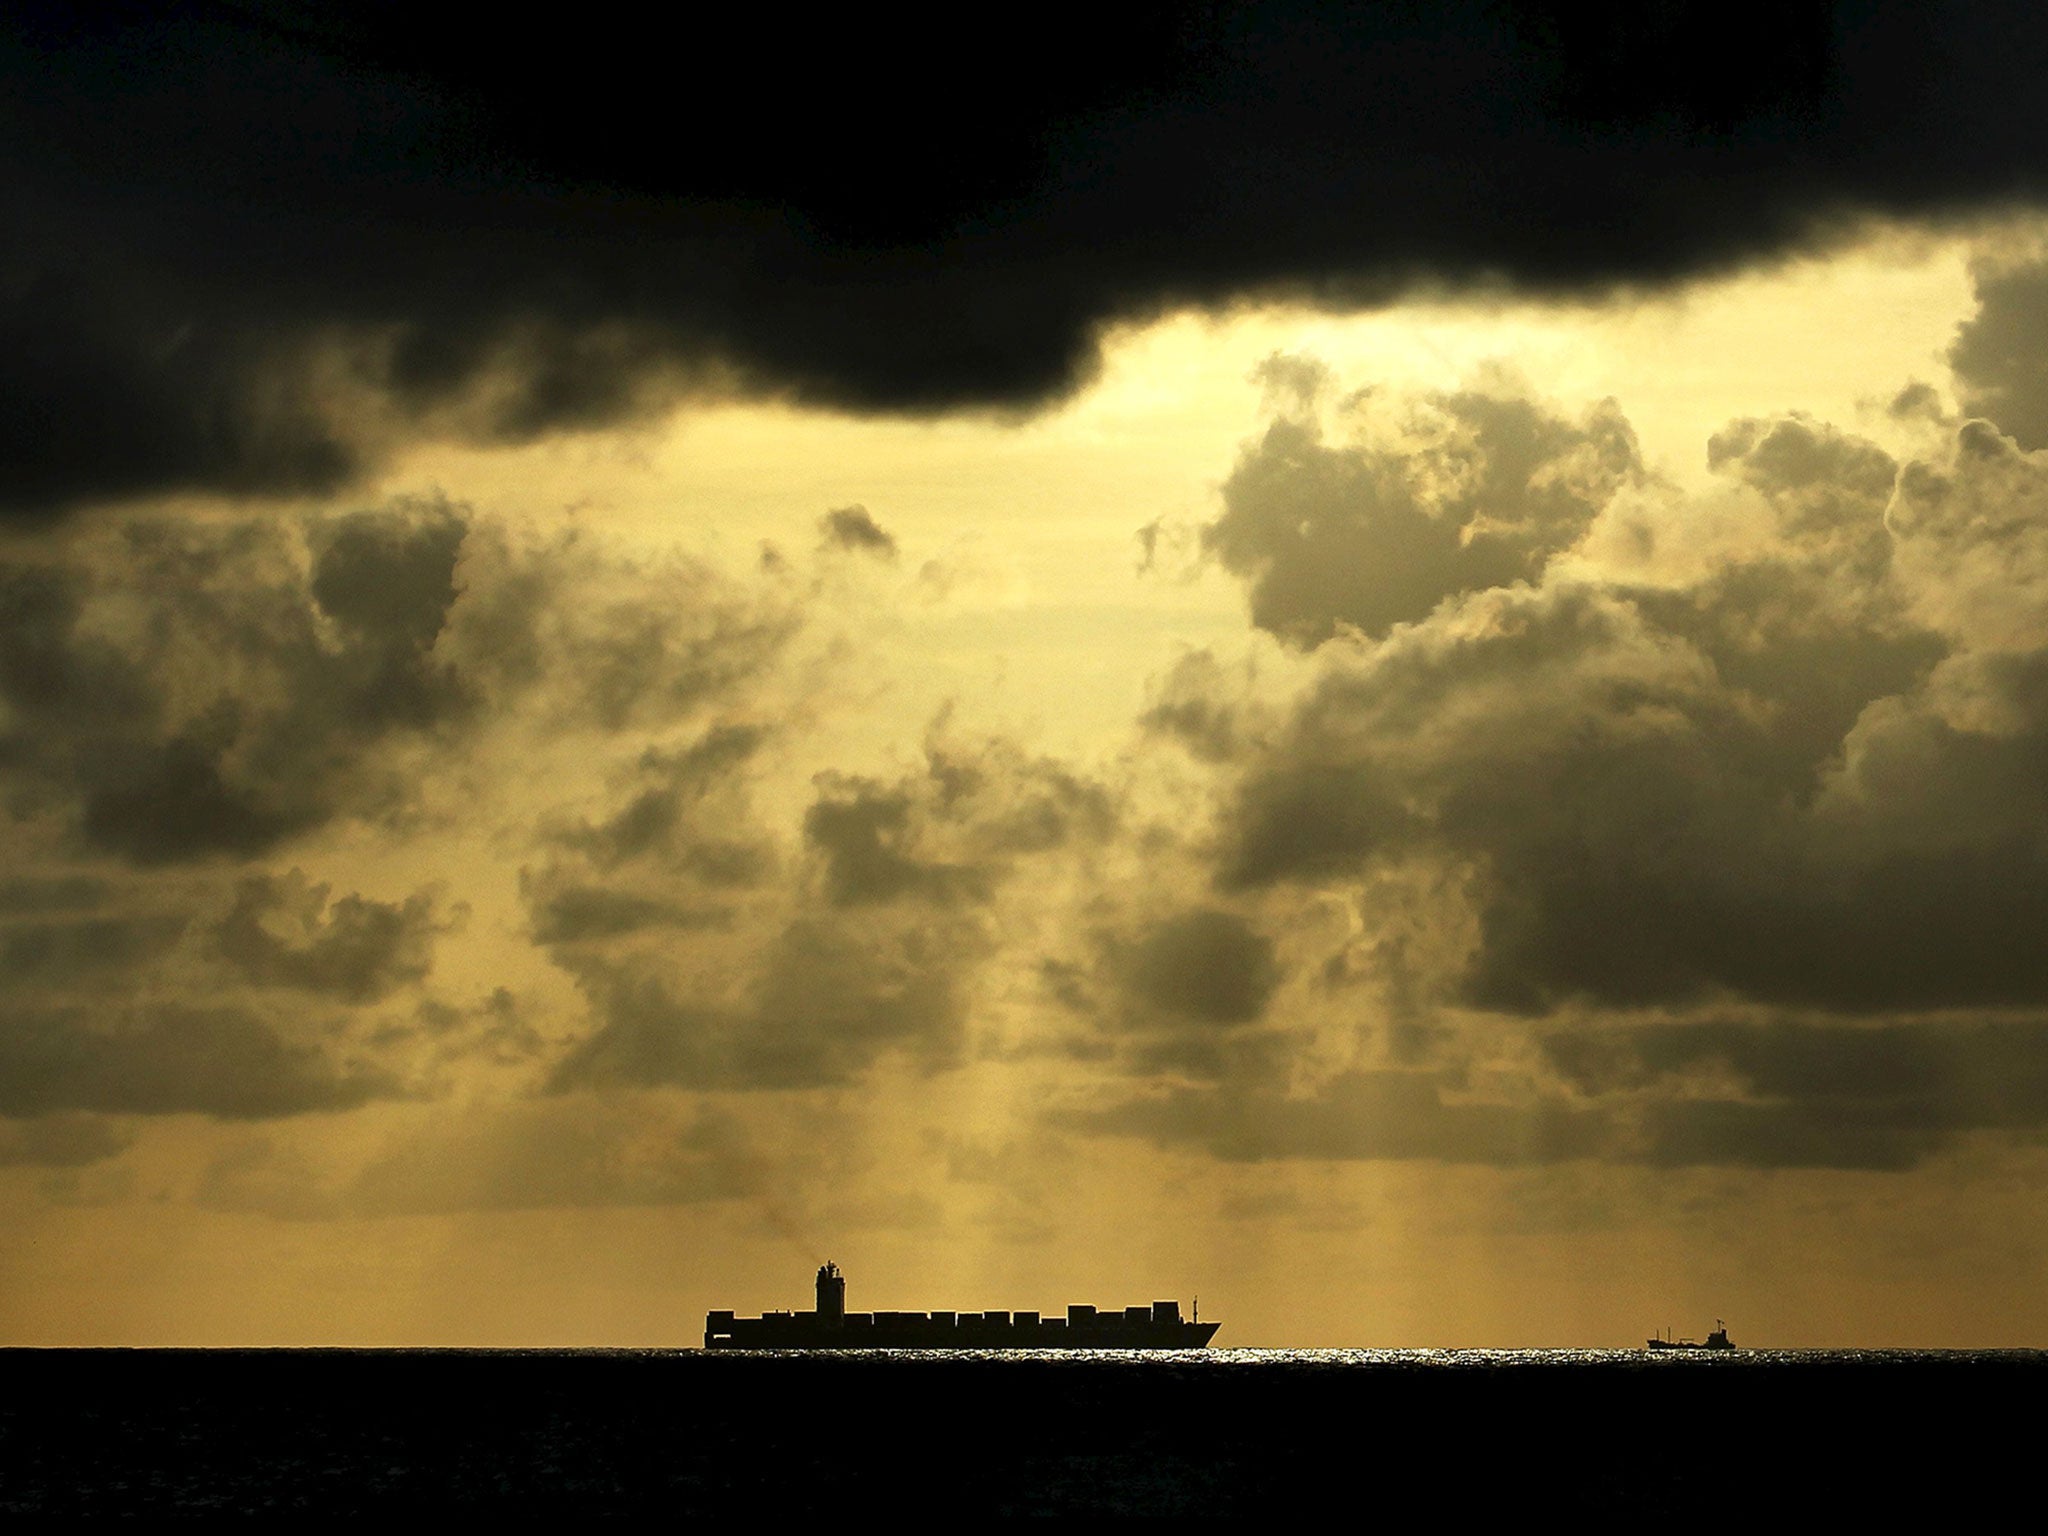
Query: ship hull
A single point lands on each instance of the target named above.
(795, 1333)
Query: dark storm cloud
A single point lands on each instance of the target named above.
(284, 932)
(250, 244)
(1480, 493)
(169, 1059)
(1814, 1095)
(1647, 833)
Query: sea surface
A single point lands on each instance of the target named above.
(1440, 1435)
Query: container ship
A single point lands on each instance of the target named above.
(1158, 1325)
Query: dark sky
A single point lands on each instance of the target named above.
(217, 211)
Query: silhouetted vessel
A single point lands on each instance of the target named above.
(1718, 1339)
(1158, 1326)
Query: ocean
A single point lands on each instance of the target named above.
(1447, 1435)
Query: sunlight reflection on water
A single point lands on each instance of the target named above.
(1215, 1358)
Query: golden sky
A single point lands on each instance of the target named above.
(1488, 811)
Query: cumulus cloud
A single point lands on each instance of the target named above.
(387, 581)
(182, 692)
(211, 692)
(1972, 549)
(1998, 352)
(1667, 792)
(1567, 846)
(1722, 845)
(686, 951)
(1473, 491)
(182, 699)
(868, 947)
(1001, 801)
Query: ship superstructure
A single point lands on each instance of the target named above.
(1157, 1325)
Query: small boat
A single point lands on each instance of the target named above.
(1718, 1339)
